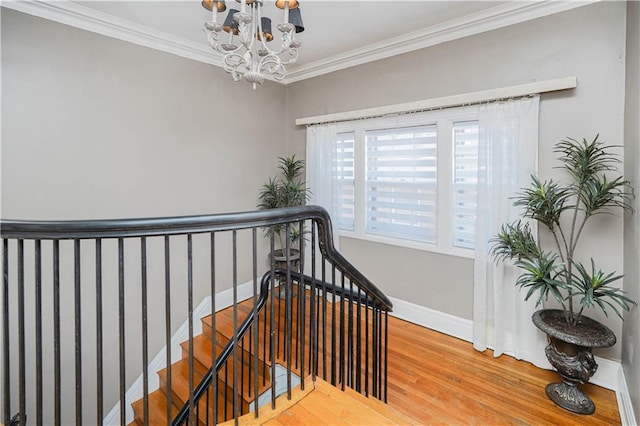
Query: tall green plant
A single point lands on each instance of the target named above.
(558, 273)
(286, 190)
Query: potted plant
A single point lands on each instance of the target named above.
(564, 210)
(286, 190)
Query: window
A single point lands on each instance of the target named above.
(401, 182)
(345, 180)
(409, 180)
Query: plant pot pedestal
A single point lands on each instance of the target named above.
(570, 352)
(281, 262)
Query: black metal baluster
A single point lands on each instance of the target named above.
(324, 318)
(192, 406)
(56, 332)
(302, 300)
(145, 343)
(167, 314)
(78, 330)
(6, 364)
(380, 361)
(366, 351)
(38, 308)
(241, 367)
(342, 336)
(21, 345)
(99, 363)
(272, 338)
(359, 342)
(214, 381)
(288, 308)
(121, 326)
(386, 352)
(350, 360)
(374, 349)
(333, 328)
(235, 325)
(206, 404)
(264, 340)
(226, 390)
(313, 336)
(256, 321)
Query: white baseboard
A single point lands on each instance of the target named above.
(224, 299)
(625, 407)
(435, 320)
(607, 375)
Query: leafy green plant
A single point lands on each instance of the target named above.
(286, 190)
(557, 273)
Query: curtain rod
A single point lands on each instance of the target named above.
(446, 101)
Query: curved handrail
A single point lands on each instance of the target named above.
(116, 228)
(226, 352)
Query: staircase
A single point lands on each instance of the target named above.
(203, 347)
(336, 329)
(299, 344)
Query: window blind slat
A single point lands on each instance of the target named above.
(401, 164)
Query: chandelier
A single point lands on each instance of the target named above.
(245, 50)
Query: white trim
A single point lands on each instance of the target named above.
(514, 12)
(625, 406)
(607, 376)
(435, 320)
(511, 13)
(447, 101)
(224, 299)
(75, 15)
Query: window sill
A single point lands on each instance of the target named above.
(414, 245)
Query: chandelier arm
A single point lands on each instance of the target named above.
(231, 62)
(273, 66)
(293, 52)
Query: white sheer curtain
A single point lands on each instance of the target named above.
(507, 157)
(320, 161)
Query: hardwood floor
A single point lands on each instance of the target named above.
(433, 379)
(437, 379)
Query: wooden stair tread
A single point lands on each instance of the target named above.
(203, 357)
(224, 330)
(157, 409)
(180, 389)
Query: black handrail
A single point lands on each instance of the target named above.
(226, 352)
(179, 225)
(359, 291)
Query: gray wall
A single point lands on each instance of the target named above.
(587, 42)
(631, 327)
(94, 127)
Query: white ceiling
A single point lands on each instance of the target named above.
(338, 34)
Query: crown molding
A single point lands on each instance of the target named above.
(501, 16)
(85, 18)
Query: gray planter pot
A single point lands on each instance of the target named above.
(570, 352)
(280, 258)
(281, 262)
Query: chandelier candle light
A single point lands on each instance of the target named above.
(251, 59)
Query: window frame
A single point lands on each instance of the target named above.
(444, 120)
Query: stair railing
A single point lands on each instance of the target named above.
(86, 302)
